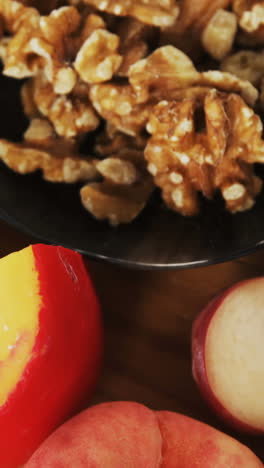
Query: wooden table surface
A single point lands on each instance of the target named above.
(148, 318)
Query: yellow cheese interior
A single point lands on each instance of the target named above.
(19, 308)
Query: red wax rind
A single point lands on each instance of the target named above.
(64, 364)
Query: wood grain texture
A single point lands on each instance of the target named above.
(148, 318)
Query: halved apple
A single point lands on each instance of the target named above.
(50, 346)
(228, 355)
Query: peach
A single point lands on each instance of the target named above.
(50, 346)
(126, 434)
(191, 444)
(227, 347)
(110, 435)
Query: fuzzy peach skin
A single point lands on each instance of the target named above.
(227, 350)
(129, 435)
(50, 346)
(110, 435)
(188, 443)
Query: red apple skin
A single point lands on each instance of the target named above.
(65, 362)
(199, 333)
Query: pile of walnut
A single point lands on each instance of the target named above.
(167, 88)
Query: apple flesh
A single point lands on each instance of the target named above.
(50, 346)
(228, 350)
(122, 434)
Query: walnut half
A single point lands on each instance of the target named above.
(155, 12)
(251, 20)
(71, 115)
(25, 158)
(125, 189)
(219, 155)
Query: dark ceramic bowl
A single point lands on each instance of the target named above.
(157, 239)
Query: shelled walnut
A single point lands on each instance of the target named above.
(58, 159)
(62, 45)
(155, 12)
(186, 157)
(108, 73)
(70, 114)
(124, 191)
(165, 74)
(187, 30)
(136, 40)
(251, 19)
(246, 65)
(15, 15)
(117, 104)
(114, 203)
(20, 23)
(168, 69)
(98, 59)
(126, 186)
(219, 34)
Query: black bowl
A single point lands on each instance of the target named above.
(157, 239)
